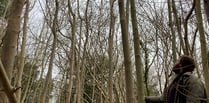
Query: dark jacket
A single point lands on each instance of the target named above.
(188, 89)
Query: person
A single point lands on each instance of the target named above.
(185, 87)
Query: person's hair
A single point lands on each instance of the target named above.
(187, 63)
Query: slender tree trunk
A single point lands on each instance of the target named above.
(28, 85)
(22, 53)
(110, 50)
(44, 59)
(203, 45)
(33, 62)
(48, 80)
(81, 63)
(10, 47)
(72, 54)
(77, 97)
(186, 41)
(146, 69)
(178, 26)
(137, 53)
(126, 51)
(173, 36)
(78, 84)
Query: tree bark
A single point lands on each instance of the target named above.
(126, 52)
(72, 53)
(137, 53)
(22, 53)
(6, 86)
(9, 48)
(48, 79)
(186, 41)
(171, 25)
(110, 50)
(178, 26)
(203, 45)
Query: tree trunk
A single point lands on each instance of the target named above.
(42, 49)
(110, 50)
(48, 79)
(137, 53)
(81, 63)
(126, 52)
(10, 47)
(178, 26)
(22, 53)
(186, 41)
(72, 54)
(173, 37)
(203, 45)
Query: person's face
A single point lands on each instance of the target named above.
(177, 69)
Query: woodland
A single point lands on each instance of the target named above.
(97, 51)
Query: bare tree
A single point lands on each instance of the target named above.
(10, 47)
(48, 80)
(110, 50)
(89, 50)
(171, 25)
(138, 62)
(186, 41)
(203, 44)
(22, 53)
(178, 26)
(72, 19)
(126, 51)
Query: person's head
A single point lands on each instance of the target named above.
(184, 64)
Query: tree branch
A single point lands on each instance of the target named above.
(6, 85)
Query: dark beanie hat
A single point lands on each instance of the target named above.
(185, 62)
